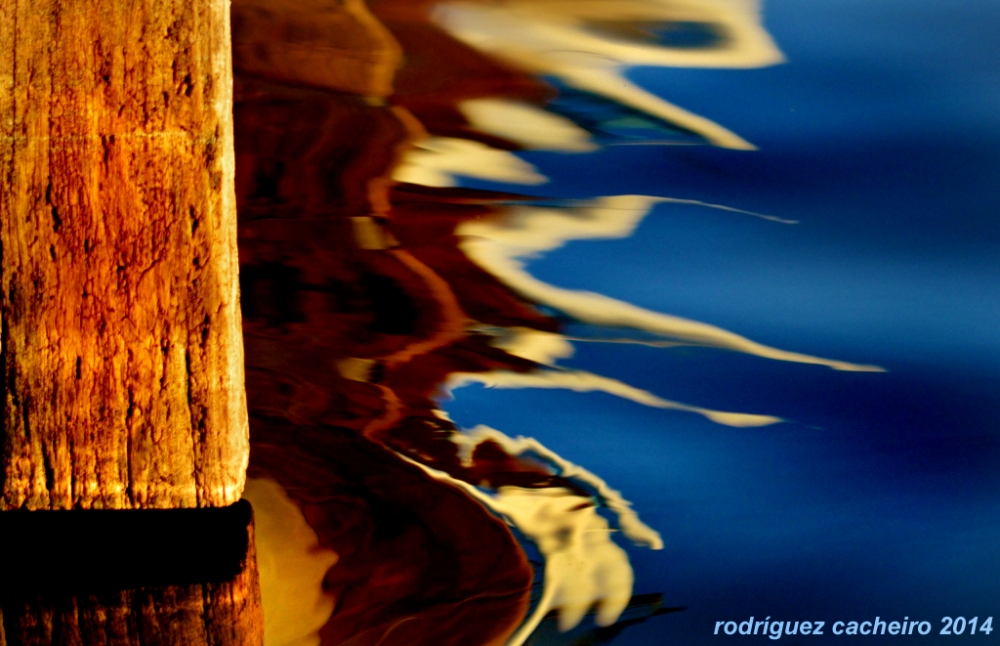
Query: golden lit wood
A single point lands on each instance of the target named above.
(121, 331)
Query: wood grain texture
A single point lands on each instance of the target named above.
(122, 350)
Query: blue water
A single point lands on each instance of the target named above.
(881, 494)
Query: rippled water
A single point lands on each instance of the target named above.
(648, 314)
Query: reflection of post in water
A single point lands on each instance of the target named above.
(122, 353)
(348, 332)
(334, 318)
(358, 305)
(371, 283)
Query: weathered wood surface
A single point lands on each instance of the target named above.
(122, 348)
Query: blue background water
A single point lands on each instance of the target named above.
(881, 495)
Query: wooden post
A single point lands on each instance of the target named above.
(121, 344)
(122, 350)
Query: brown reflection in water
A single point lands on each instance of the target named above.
(418, 562)
(364, 298)
(412, 551)
(360, 306)
(438, 72)
(356, 305)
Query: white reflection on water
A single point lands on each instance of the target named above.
(584, 46)
(583, 566)
(500, 246)
(436, 161)
(526, 124)
(587, 562)
(588, 43)
(545, 348)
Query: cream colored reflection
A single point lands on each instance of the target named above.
(435, 161)
(636, 531)
(291, 564)
(588, 44)
(526, 125)
(584, 568)
(501, 245)
(584, 382)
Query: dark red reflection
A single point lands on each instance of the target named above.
(357, 304)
